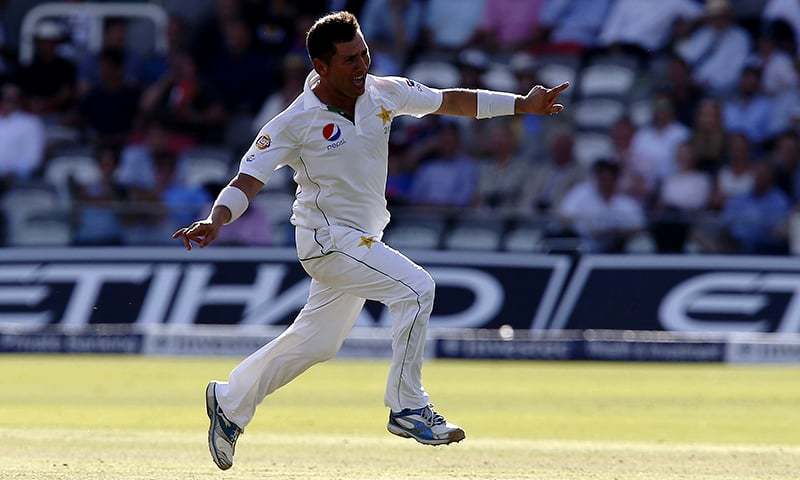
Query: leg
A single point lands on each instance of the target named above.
(372, 270)
(315, 336)
(363, 266)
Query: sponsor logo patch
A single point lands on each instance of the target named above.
(331, 132)
(263, 142)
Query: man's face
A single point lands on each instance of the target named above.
(347, 70)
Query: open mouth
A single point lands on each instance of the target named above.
(359, 81)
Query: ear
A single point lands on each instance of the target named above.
(320, 66)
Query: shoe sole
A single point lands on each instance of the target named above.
(456, 437)
(211, 403)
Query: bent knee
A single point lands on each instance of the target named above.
(427, 287)
(424, 289)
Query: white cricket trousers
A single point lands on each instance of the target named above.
(347, 266)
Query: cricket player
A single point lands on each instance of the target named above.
(335, 137)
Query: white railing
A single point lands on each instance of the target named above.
(97, 13)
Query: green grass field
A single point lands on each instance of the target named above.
(120, 418)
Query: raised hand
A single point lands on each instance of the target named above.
(541, 100)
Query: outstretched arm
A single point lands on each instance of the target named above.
(538, 101)
(203, 232)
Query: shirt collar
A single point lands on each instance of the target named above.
(310, 99)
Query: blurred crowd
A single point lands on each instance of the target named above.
(681, 129)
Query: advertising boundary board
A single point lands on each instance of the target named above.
(79, 287)
(375, 343)
(713, 284)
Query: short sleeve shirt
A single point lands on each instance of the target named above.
(340, 165)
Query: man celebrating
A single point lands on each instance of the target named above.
(335, 137)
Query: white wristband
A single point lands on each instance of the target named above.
(234, 200)
(494, 104)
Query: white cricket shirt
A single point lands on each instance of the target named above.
(340, 166)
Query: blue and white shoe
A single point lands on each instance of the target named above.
(222, 433)
(425, 426)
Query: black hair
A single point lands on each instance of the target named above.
(322, 37)
(605, 165)
(113, 56)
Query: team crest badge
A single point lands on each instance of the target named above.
(263, 142)
(331, 132)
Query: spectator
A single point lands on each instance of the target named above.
(777, 66)
(110, 108)
(183, 203)
(98, 204)
(574, 23)
(685, 192)
(785, 10)
(472, 64)
(450, 178)
(602, 216)
(645, 24)
(681, 90)
(251, 229)
(510, 25)
(749, 112)
(504, 172)
(208, 40)
(155, 65)
(164, 207)
(49, 81)
(718, 50)
(240, 74)
(136, 170)
(275, 26)
(392, 28)
(735, 178)
(184, 103)
(633, 182)
(115, 36)
(654, 146)
(779, 79)
(22, 138)
(756, 221)
(294, 75)
(785, 159)
(451, 24)
(400, 177)
(548, 182)
(688, 189)
(708, 136)
(532, 142)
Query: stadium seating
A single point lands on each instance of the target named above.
(475, 234)
(206, 165)
(606, 79)
(597, 113)
(415, 232)
(526, 237)
(35, 216)
(81, 169)
(591, 146)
